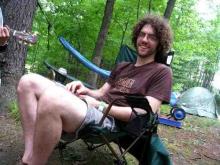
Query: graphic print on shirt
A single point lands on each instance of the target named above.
(124, 84)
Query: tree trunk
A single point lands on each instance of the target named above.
(149, 6)
(18, 14)
(169, 9)
(98, 51)
(138, 9)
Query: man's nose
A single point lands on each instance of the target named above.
(145, 38)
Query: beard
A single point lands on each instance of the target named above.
(145, 53)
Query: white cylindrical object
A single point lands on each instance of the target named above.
(62, 71)
(1, 18)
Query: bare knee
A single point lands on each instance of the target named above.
(33, 83)
(26, 83)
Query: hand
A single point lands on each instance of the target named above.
(77, 88)
(4, 35)
(92, 102)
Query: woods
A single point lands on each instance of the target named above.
(97, 29)
(98, 51)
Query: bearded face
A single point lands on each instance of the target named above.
(147, 42)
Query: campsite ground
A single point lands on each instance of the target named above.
(197, 143)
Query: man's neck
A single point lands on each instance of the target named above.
(142, 61)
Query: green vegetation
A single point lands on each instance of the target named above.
(13, 111)
(196, 40)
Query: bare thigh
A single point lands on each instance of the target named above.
(56, 100)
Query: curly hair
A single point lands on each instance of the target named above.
(163, 33)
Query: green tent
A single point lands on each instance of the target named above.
(199, 101)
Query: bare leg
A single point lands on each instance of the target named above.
(58, 110)
(29, 90)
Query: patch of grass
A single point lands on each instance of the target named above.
(13, 111)
(195, 122)
(165, 109)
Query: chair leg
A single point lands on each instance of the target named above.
(109, 146)
(120, 162)
(132, 144)
(121, 151)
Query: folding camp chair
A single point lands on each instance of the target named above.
(138, 137)
(126, 54)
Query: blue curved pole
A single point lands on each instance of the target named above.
(83, 60)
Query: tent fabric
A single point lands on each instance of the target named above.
(217, 99)
(126, 54)
(198, 101)
(173, 99)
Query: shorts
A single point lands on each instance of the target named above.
(93, 116)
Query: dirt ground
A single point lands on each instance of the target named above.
(197, 143)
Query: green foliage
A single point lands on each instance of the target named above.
(165, 109)
(196, 42)
(13, 110)
(196, 46)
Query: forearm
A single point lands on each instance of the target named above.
(124, 113)
(95, 93)
(99, 92)
(120, 113)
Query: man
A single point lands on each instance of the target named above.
(47, 109)
(4, 35)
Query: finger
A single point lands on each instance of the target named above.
(6, 31)
(1, 31)
(67, 86)
(73, 89)
(3, 34)
(82, 96)
(8, 28)
(80, 91)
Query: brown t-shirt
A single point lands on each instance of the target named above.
(152, 79)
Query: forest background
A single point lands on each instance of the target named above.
(98, 28)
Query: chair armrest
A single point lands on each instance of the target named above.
(61, 77)
(134, 101)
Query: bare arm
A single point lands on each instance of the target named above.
(120, 113)
(154, 103)
(124, 113)
(99, 92)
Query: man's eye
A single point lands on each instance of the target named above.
(152, 37)
(142, 34)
